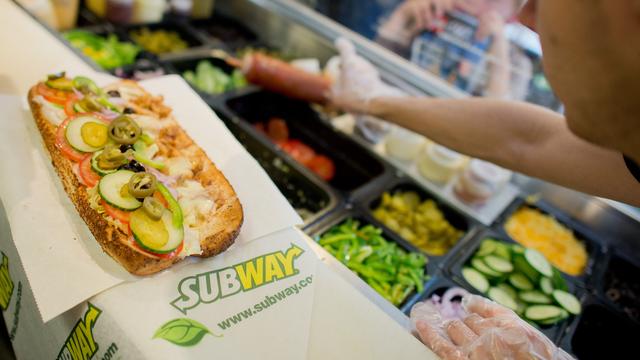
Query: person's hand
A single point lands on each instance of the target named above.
(413, 17)
(488, 332)
(490, 23)
(358, 81)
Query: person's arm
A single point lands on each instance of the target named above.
(518, 136)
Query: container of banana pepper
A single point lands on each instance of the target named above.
(419, 217)
(165, 38)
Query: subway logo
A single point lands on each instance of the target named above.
(218, 284)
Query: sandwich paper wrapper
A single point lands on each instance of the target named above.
(62, 260)
(295, 307)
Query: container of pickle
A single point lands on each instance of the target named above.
(165, 38)
(420, 218)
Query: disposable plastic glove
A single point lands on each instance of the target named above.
(489, 331)
(358, 82)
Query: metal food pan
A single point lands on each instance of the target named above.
(455, 218)
(301, 191)
(595, 247)
(600, 332)
(357, 169)
(618, 285)
(432, 267)
(454, 270)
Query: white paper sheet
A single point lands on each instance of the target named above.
(63, 262)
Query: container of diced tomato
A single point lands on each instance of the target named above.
(299, 133)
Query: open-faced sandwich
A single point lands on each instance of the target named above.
(147, 192)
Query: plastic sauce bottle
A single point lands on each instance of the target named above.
(202, 9)
(41, 9)
(66, 12)
(98, 7)
(149, 11)
(480, 181)
(403, 144)
(440, 164)
(119, 11)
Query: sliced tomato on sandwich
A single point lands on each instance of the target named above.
(89, 177)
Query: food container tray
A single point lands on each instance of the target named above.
(143, 59)
(454, 271)
(437, 286)
(600, 332)
(357, 169)
(596, 247)
(455, 218)
(180, 64)
(301, 191)
(193, 38)
(618, 285)
(317, 230)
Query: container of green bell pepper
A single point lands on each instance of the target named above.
(390, 270)
(105, 50)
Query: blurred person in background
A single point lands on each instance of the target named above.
(462, 41)
(593, 148)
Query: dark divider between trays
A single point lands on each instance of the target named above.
(455, 218)
(596, 248)
(316, 231)
(356, 168)
(225, 32)
(462, 259)
(618, 285)
(302, 192)
(599, 332)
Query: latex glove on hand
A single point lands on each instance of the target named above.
(357, 83)
(489, 331)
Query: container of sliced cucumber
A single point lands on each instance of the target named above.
(593, 245)
(520, 279)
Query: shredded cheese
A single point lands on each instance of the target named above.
(533, 229)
